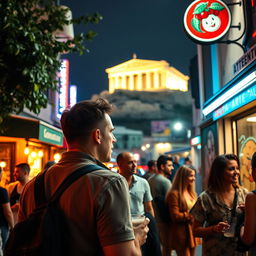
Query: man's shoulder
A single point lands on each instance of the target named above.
(140, 180)
(161, 178)
(11, 186)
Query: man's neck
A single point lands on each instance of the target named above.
(162, 173)
(129, 179)
(86, 150)
(23, 182)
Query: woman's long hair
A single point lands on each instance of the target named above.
(179, 184)
(219, 164)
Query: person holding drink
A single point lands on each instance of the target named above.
(218, 208)
(140, 202)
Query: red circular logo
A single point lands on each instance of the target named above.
(207, 21)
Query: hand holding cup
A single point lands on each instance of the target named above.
(140, 228)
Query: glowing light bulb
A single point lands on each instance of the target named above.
(2, 164)
(33, 154)
(57, 157)
(40, 153)
(26, 151)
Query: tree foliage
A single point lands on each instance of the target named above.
(29, 53)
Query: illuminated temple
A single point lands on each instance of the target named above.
(146, 75)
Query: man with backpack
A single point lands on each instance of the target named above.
(96, 205)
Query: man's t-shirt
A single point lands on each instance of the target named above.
(4, 199)
(139, 194)
(159, 185)
(96, 205)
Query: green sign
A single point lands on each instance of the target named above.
(50, 135)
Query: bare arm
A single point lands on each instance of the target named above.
(149, 208)
(249, 236)
(128, 248)
(132, 247)
(8, 214)
(200, 231)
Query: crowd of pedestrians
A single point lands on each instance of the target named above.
(101, 206)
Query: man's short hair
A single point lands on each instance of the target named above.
(163, 160)
(24, 167)
(253, 162)
(120, 157)
(151, 163)
(83, 117)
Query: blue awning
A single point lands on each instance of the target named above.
(178, 150)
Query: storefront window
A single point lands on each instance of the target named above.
(246, 134)
(35, 159)
(6, 161)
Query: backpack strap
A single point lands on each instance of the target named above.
(39, 188)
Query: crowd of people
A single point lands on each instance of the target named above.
(101, 206)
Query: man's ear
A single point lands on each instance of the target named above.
(97, 135)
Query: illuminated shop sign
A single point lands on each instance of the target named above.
(50, 135)
(195, 141)
(207, 21)
(63, 87)
(233, 91)
(238, 101)
(72, 95)
(245, 60)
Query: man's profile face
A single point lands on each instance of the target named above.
(168, 167)
(128, 164)
(107, 139)
(18, 174)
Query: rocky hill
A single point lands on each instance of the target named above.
(136, 109)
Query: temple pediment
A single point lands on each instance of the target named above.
(138, 64)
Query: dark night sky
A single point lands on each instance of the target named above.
(151, 29)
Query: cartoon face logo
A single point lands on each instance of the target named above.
(207, 21)
(207, 17)
(211, 23)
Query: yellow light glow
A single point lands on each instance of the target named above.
(251, 119)
(57, 157)
(33, 154)
(40, 153)
(26, 151)
(136, 156)
(2, 164)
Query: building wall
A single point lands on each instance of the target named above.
(225, 128)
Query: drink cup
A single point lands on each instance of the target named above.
(137, 219)
(230, 232)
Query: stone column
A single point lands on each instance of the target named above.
(131, 82)
(140, 81)
(148, 80)
(123, 82)
(156, 80)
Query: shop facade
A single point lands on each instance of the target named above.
(227, 89)
(28, 140)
